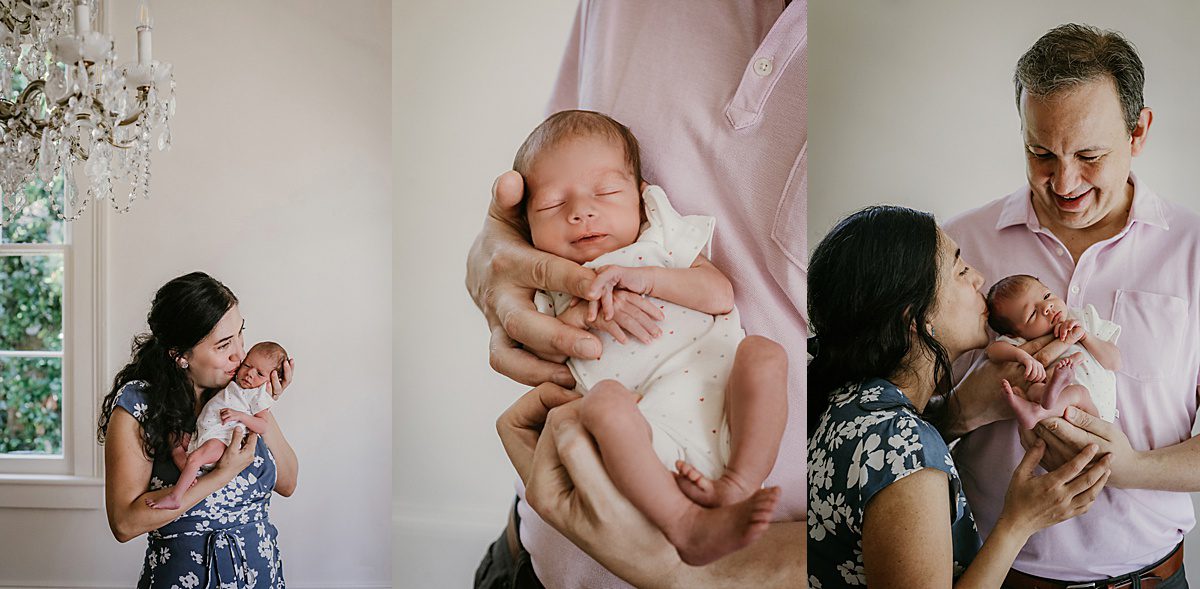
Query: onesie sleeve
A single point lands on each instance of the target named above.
(683, 237)
(543, 302)
(259, 399)
(132, 398)
(1098, 326)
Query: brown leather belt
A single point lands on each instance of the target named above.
(1147, 578)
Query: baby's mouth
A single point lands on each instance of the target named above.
(590, 238)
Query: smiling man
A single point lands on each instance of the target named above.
(1090, 229)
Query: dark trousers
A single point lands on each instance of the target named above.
(506, 564)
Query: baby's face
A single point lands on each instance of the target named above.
(583, 199)
(255, 370)
(1034, 311)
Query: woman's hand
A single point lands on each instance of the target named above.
(281, 382)
(503, 271)
(239, 454)
(1036, 502)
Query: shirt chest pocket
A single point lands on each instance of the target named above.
(1152, 330)
(788, 234)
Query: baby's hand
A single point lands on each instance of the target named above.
(1069, 331)
(609, 278)
(228, 415)
(634, 315)
(1034, 371)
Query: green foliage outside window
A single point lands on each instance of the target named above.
(31, 290)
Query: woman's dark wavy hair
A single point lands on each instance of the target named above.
(872, 277)
(183, 312)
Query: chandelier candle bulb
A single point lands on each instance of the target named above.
(145, 25)
(143, 44)
(83, 19)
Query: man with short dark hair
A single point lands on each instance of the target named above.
(1090, 229)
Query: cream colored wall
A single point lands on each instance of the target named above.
(279, 184)
(470, 80)
(912, 103)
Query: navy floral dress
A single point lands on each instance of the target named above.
(870, 437)
(226, 540)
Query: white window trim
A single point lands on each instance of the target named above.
(77, 481)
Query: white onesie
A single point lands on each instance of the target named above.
(209, 426)
(1100, 381)
(682, 374)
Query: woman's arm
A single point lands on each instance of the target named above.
(127, 474)
(906, 526)
(287, 466)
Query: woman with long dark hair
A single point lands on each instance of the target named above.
(893, 304)
(220, 535)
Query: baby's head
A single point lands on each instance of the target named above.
(1020, 305)
(256, 369)
(583, 182)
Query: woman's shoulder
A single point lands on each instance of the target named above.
(873, 425)
(132, 398)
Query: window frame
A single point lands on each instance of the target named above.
(74, 481)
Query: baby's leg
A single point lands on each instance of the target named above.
(1051, 399)
(756, 407)
(610, 414)
(207, 453)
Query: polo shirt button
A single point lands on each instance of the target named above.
(1061, 251)
(1075, 289)
(763, 67)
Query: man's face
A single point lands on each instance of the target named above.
(1078, 155)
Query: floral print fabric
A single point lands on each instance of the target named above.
(226, 540)
(870, 437)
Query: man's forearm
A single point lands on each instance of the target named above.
(1170, 468)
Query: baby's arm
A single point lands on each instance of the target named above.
(999, 351)
(1047, 352)
(256, 423)
(1106, 353)
(701, 287)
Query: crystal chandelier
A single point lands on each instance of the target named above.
(66, 104)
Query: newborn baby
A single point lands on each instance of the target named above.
(713, 402)
(243, 404)
(1083, 352)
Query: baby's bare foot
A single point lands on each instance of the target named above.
(708, 534)
(727, 490)
(168, 502)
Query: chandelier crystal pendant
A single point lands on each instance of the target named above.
(66, 105)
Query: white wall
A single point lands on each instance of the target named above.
(470, 80)
(912, 103)
(279, 185)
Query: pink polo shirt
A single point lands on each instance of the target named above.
(1147, 280)
(716, 94)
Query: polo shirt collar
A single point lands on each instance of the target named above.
(1147, 208)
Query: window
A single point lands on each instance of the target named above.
(49, 355)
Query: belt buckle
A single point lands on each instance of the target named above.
(1091, 585)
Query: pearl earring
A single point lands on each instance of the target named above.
(183, 364)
